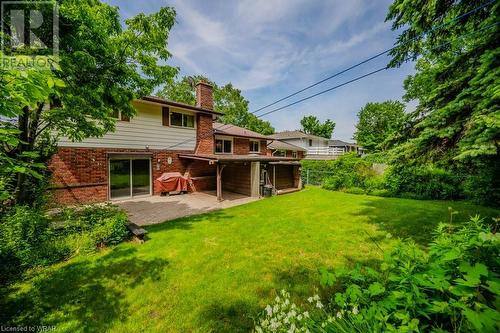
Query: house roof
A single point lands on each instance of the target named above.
(276, 144)
(340, 143)
(159, 100)
(232, 130)
(294, 135)
(237, 158)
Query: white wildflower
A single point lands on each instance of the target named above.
(339, 315)
(310, 299)
(319, 305)
(258, 329)
(292, 328)
(306, 314)
(316, 297)
(299, 317)
(355, 310)
(269, 310)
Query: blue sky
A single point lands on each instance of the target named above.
(270, 48)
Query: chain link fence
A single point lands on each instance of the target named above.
(315, 177)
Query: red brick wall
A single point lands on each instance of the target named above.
(80, 175)
(204, 134)
(204, 97)
(241, 146)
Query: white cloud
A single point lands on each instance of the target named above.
(269, 49)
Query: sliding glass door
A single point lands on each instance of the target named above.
(140, 177)
(129, 177)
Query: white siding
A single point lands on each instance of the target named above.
(304, 143)
(145, 129)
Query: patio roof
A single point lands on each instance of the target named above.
(237, 158)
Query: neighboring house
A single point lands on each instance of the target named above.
(342, 147)
(317, 148)
(167, 136)
(281, 148)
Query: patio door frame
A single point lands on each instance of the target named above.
(130, 158)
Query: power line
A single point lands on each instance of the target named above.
(333, 88)
(371, 58)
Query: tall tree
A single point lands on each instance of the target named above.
(102, 68)
(378, 123)
(312, 125)
(457, 121)
(227, 100)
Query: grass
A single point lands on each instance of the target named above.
(215, 272)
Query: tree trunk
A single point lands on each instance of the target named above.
(28, 132)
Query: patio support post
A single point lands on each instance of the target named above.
(274, 179)
(219, 181)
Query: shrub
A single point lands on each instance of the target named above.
(427, 182)
(25, 241)
(93, 226)
(452, 287)
(28, 237)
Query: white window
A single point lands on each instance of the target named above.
(310, 143)
(181, 119)
(294, 154)
(254, 146)
(223, 146)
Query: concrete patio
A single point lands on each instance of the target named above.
(157, 209)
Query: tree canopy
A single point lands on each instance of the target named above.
(312, 125)
(378, 123)
(227, 100)
(457, 121)
(454, 84)
(98, 73)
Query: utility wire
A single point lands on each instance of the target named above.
(227, 126)
(372, 57)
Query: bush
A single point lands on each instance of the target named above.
(93, 226)
(26, 241)
(452, 287)
(427, 182)
(28, 237)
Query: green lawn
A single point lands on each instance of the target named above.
(215, 272)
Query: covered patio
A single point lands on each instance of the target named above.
(249, 174)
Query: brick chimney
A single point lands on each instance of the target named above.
(204, 97)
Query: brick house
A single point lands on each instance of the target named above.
(167, 136)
